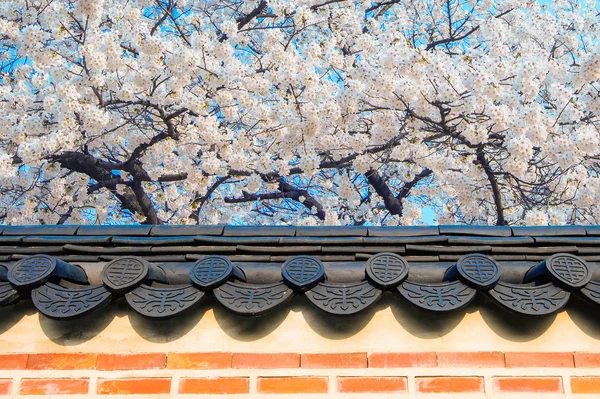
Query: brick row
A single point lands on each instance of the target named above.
(302, 384)
(485, 359)
(82, 361)
(223, 360)
(217, 360)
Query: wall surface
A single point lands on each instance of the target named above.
(392, 350)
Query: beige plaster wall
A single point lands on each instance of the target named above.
(391, 325)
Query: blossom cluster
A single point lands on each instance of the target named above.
(198, 112)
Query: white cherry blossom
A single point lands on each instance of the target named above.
(299, 112)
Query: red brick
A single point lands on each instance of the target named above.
(539, 359)
(371, 384)
(54, 386)
(334, 360)
(142, 361)
(134, 386)
(528, 384)
(215, 386)
(61, 361)
(470, 359)
(408, 359)
(449, 384)
(589, 385)
(5, 387)
(13, 362)
(292, 385)
(587, 359)
(199, 361)
(265, 360)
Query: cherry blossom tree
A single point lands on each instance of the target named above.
(302, 112)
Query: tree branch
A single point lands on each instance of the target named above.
(202, 200)
(326, 3)
(243, 21)
(100, 171)
(286, 191)
(405, 190)
(309, 201)
(163, 18)
(451, 39)
(392, 204)
(481, 159)
(145, 203)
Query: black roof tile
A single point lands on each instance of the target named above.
(549, 231)
(534, 250)
(322, 258)
(47, 230)
(107, 250)
(398, 249)
(170, 240)
(149, 258)
(48, 240)
(447, 249)
(402, 231)
(428, 251)
(587, 250)
(31, 250)
(473, 240)
(190, 230)
(512, 257)
(404, 240)
(311, 249)
(331, 231)
(250, 258)
(10, 239)
(567, 240)
(78, 258)
(238, 240)
(335, 258)
(451, 257)
(165, 258)
(321, 240)
(121, 230)
(296, 249)
(259, 231)
(420, 258)
(498, 231)
(194, 249)
(592, 230)
(536, 258)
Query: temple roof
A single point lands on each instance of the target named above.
(69, 271)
